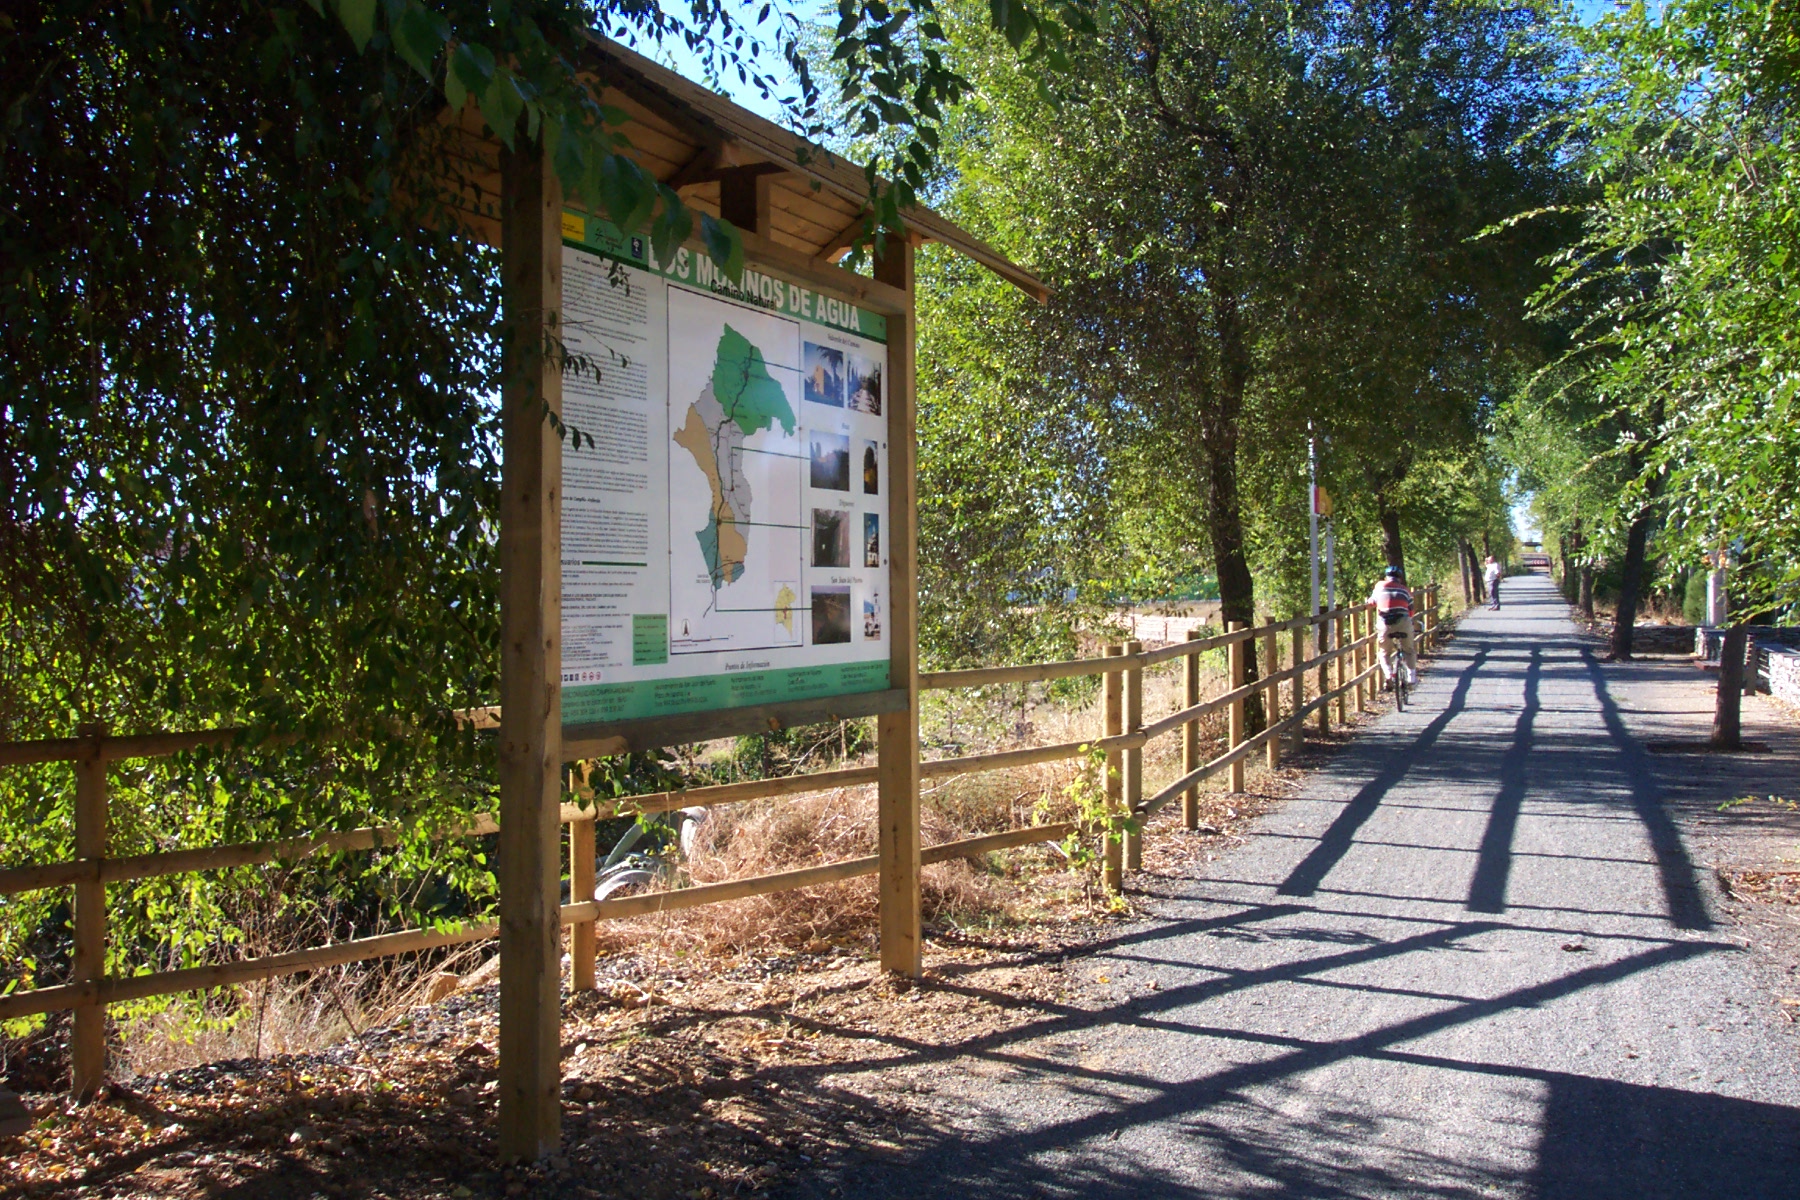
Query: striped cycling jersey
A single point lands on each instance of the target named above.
(1390, 596)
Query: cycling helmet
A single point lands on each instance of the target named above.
(1392, 572)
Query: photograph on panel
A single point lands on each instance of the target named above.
(864, 385)
(830, 615)
(823, 371)
(831, 538)
(830, 461)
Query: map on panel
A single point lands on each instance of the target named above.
(736, 526)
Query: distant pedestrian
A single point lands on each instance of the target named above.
(1493, 575)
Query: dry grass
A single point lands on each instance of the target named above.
(273, 1017)
(1030, 884)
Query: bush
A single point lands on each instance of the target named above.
(1693, 599)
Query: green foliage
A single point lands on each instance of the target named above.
(1678, 290)
(1693, 599)
(1245, 246)
(1098, 824)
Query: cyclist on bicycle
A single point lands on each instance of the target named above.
(1393, 602)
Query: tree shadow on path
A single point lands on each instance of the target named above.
(1305, 878)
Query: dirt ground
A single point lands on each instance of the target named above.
(680, 1079)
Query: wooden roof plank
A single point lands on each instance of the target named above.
(700, 113)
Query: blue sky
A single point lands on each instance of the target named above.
(675, 55)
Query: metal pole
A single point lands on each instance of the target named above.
(1312, 515)
(1331, 580)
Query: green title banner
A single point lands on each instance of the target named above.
(608, 702)
(697, 269)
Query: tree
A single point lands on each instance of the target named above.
(1681, 281)
(1680, 286)
(1255, 215)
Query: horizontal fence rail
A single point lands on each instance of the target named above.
(1343, 640)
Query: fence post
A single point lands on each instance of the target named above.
(1113, 852)
(1234, 655)
(1134, 759)
(1298, 694)
(1343, 674)
(1359, 628)
(1272, 706)
(1320, 623)
(581, 889)
(1190, 735)
(87, 1037)
(1430, 614)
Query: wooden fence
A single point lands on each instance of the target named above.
(1342, 667)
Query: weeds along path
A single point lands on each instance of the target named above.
(1474, 955)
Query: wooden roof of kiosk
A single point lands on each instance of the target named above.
(723, 160)
(799, 209)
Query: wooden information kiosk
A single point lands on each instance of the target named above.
(731, 548)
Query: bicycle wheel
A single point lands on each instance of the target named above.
(1399, 689)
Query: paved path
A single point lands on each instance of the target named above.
(1472, 958)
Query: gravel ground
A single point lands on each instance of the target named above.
(1483, 952)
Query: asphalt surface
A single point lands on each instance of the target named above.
(1473, 957)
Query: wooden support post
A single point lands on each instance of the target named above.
(1235, 656)
(530, 744)
(87, 1037)
(744, 198)
(1190, 735)
(1272, 706)
(1342, 673)
(1299, 687)
(897, 734)
(581, 890)
(1112, 851)
(1134, 759)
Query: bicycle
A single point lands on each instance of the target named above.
(1396, 675)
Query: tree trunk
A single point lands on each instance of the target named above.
(1586, 599)
(1637, 540)
(1631, 582)
(1224, 511)
(1390, 536)
(1573, 562)
(1476, 581)
(1728, 708)
(1225, 526)
(1462, 560)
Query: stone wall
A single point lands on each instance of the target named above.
(1783, 673)
(1662, 639)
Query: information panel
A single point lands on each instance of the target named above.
(725, 515)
